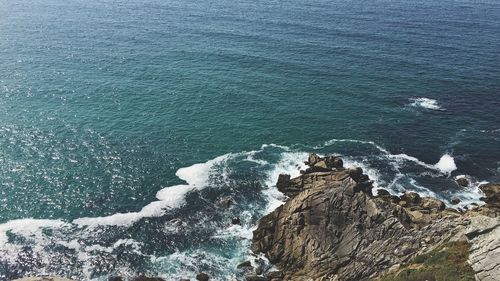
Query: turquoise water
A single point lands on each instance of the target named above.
(102, 102)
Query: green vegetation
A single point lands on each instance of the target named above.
(446, 263)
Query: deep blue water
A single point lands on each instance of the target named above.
(102, 102)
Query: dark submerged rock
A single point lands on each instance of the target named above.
(202, 276)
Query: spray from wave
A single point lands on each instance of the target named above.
(187, 222)
(426, 103)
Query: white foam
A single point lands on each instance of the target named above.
(446, 164)
(196, 176)
(290, 163)
(425, 103)
(27, 227)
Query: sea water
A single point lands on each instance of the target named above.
(124, 123)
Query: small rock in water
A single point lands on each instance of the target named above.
(455, 201)
(244, 264)
(383, 192)
(144, 278)
(236, 220)
(202, 276)
(462, 181)
(225, 202)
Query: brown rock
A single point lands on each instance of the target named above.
(331, 228)
(411, 197)
(492, 192)
(430, 203)
(313, 159)
(462, 181)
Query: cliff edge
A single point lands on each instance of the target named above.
(334, 228)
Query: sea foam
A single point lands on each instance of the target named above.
(196, 176)
(425, 103)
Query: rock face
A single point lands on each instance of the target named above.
(484, 233)
(332, 228)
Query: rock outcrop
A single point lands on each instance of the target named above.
(333, 228)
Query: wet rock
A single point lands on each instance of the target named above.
(244, 264)
(455, 201)
(334, 162)
(116, 278)
(462, 181)
(383, 192)
(236, 220)
(430, 203)
(355, 173)
(225, 202)
(313, 159)
(145, 278)
(255, 278)
(331, 228)
(202, 276)
(411, 197)
(492, 192)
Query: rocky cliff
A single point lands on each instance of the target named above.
(333, 228)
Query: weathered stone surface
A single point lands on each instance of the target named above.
(332, 228)
(484, 235)
(335, 229)
(430, 203)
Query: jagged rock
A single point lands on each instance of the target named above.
(455, 201)
(313, 159)
(334, 162)
(462, 181)
(202, 276)
(430, 203)
(484, 234)
(355, 173)
(332, 228)
(383, 192)
(236, 220)
(411, 197)
(492, 192)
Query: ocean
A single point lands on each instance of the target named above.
(125, 123)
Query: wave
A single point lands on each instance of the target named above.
(385, 169)
(426, 103)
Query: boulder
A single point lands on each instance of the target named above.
(313, 159)
(202, 276)
(492, 192)
(410, 197)
(383, 192)
(430, 203)
(334, 162)
(355, 173)
(462, 181)
(236, 220)
(455, 201)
